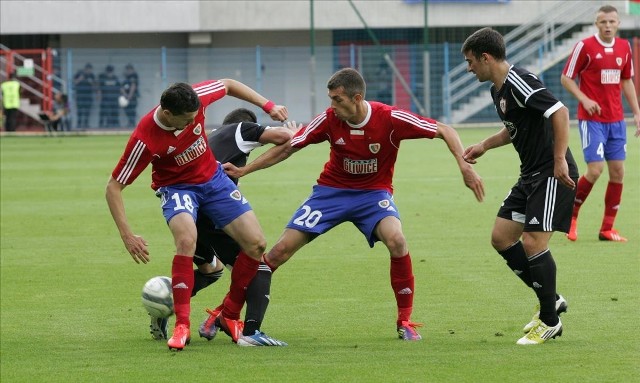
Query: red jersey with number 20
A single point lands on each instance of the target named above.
(177, 156)
(363, 156)
(601, 66)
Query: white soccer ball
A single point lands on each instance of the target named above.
(157, 297)
(123, 101)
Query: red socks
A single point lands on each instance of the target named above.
(182, 283)
(402, 282)
(582, 192)
(244, 269)
(612, 198)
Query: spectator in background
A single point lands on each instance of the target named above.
(108, 93)
(59, 117)
(85, 84)
(129, 91)
(11, 102)
(602, 66)
(384, 76)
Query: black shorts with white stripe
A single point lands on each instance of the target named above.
(542, 205)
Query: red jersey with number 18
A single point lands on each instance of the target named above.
(601, 66)
(363, 156)
(176, 156)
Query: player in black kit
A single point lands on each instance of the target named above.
(537, 124)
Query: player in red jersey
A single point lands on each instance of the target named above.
(187, 177)
(603, 65)
(356, 183)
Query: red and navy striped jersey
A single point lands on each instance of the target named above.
(364, 156)
(176, 157)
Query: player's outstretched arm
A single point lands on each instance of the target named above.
(473, 152)
(135, 244)
(471, 179)
(280, 137)
(243, 92)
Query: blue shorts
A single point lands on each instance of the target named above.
(219, 199)
(328, 207)
(603, 141)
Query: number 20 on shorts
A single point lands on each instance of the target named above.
(308, 218)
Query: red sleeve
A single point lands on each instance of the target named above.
(134, 160)
(627, 70)
(313, 133)
(576, 62)
(407, 125)
(209, 91)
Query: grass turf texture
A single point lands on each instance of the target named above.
(70, 294)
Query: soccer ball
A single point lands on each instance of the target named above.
(157, 297)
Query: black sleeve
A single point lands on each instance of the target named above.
(251, 132)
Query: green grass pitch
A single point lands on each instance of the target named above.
(70, 294)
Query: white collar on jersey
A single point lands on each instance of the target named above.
(606, 45)
(161, 125)
(366, 119)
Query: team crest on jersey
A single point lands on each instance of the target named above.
(511, 128)
(236, 195)
(384, 203)
(374, 148)
(503, 105)
(197, 130)
(619, 61)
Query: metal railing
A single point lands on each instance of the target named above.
(42, 85)
(532, 45)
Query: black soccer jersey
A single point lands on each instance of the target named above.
(524, 106)
(245, 135)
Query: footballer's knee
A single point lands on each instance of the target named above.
(397, 244)
(278, 254)
(255, 248)
(186, 245)
(594, 171)
(500, 242)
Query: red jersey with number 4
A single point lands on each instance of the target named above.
(600, 67)
(176, 156)
(363, 156)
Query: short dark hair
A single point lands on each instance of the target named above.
(607, 9)
(180, 98)
(485, 40)
(350, 79)
(239, 115)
